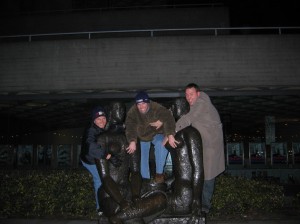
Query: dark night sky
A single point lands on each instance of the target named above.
(264, 13)
(242, 13)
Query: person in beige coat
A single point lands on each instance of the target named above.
(205, 118)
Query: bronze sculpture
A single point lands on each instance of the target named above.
(122, 194)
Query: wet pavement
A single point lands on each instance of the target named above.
(294, 220)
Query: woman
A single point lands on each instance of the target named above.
(91, 150)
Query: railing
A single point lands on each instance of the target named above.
(155, 32)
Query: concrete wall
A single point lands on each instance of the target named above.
(165, 62)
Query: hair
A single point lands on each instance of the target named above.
(192, 85)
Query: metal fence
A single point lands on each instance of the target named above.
(154, 33)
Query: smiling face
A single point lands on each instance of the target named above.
(191, 95)
(100, 121)
(143, 107)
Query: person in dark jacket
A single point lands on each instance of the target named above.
(150, 122)
(92, 151)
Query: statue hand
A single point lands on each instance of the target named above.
(136, 199)
(125, 205)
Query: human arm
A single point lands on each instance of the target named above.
(183, 122)
(131, 130)
(157, 124)
(95, 150)
(167, 122)
(170, 138)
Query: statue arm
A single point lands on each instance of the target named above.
(196, 158)
(109, 185)
(136, 178)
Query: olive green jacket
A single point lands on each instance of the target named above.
(138, 125)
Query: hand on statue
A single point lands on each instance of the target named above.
(108, 156)
(172, 142)
(157, 124)
(131, 148)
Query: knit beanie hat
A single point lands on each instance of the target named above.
(98, 112)
(142, 97)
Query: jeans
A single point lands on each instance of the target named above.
(207, 193)
(160, 153)
(96, 179)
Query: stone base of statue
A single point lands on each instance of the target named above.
(163, 220)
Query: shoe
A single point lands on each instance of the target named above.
(99, 212)
(205, 209)
(159, 178)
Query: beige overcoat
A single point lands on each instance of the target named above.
(205, 118)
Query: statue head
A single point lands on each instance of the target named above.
(116, 116)
(179, 107)
(117, 112)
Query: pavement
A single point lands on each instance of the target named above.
(295, 220)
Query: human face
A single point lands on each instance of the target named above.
(191, 95)
(143, 107)
(100, 121)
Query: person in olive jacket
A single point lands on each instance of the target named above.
(91, 150)
(205, 118)
(150, 122)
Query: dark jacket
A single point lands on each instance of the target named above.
(137, 124)
(90, 150)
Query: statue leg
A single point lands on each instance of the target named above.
(146, 208)
(136, 185)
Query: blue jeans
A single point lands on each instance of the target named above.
(96, 179)
(207, 193)
(160, 153)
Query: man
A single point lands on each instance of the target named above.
(150, 122)
(205, 118)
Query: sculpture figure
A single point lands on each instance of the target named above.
(120, 192)
(187, 165)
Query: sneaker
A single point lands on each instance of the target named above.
(99, 212)
(205, 209)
